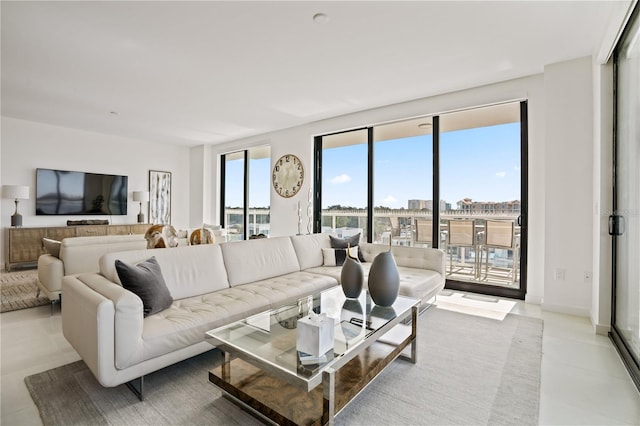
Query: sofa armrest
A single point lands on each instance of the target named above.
(435, 260)
(50, 273)
(103, 322)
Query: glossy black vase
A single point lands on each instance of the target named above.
(384, 280)
(351, 278)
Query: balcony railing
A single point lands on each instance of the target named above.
(477, 262)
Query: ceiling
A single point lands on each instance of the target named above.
(208, 72)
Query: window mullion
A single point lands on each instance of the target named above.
(370, 206)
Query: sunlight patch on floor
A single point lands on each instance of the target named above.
(481, 306)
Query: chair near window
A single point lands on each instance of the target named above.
(424, 231)
(500, 234)
(461, 235)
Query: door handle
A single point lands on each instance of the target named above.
(616, 225)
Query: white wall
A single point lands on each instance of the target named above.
(27, 145)
(299, 141)
(569, 186)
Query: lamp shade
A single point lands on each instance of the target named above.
(15, 192)
(142, 196)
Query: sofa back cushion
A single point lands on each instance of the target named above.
(260, 259)
(187, 270)
(420, 257)
(81, 254)
(309, 249)
(411, 257)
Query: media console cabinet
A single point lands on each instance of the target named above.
(25, 244)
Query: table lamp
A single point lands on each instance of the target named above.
(16, 192)
(142, 197)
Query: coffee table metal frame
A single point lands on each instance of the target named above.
(404, 308)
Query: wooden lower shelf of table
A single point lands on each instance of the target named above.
(287, 404)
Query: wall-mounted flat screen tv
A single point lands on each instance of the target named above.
(61, 192)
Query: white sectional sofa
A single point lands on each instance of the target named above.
(211, 285)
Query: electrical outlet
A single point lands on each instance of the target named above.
(561, 274)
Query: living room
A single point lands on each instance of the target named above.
(569, 123)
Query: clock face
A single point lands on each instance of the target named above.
(288, 175)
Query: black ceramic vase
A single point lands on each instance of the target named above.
(384, 280)
(351, 277)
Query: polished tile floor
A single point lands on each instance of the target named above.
(583, 380)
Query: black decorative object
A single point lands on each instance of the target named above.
(384, 280)
(351, 277)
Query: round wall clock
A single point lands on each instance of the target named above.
(288, 175)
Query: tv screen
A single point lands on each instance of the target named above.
(60, 192)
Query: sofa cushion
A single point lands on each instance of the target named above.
(146, 281)
(370, 251)
(351, 241)
(52, 246)
(82, 254)
(336, 271)
(187, 270)
(309, 249)
(419, 283)
(186, 321)
(255, 260)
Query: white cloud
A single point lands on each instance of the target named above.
(390, 200)
(501, 174)
(344, 178)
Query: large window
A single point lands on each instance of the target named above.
(403, 182)
(245, 193)
(455, 181)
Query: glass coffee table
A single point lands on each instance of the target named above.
(263, 371)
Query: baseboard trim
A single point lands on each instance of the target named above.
(602, 329)
(564, 309)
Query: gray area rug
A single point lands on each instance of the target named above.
(19, 290)
(470, 371)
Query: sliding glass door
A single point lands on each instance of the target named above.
(481, 198)
(625, 221)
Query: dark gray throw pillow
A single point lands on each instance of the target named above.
(145, 280)
(352, 241)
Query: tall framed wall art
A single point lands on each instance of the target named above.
(159, 197)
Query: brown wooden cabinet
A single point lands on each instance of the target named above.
(25, 244)
(91, 230)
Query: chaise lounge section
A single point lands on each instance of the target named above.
(211, 285)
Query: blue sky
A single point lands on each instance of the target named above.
(482, 164)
